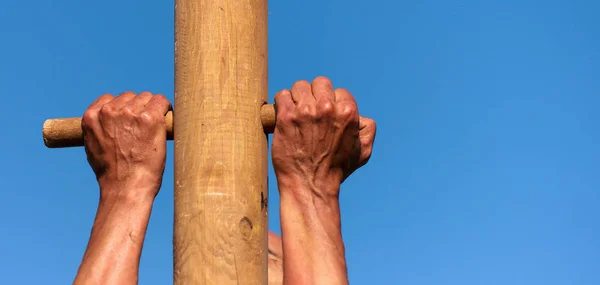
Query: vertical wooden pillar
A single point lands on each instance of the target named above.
(220, 230)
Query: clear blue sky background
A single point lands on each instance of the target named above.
(486, 168)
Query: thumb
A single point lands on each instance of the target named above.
(367, 131)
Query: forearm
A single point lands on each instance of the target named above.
(115, 245)
(312, 238)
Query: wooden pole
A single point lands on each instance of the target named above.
(220, 231)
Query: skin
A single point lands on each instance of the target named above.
(125, 142)
(318, 142)
(275, 257)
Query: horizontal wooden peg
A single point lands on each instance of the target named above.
(66, 132)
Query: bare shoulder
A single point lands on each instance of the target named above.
(275, 259)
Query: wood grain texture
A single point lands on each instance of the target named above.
(66, 132)
(220, 226)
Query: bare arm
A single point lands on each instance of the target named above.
(318, 142)
(313, 245)
(115, 245)
(275, 260)
(125, 142)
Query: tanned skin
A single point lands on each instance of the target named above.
(125, 141)
(126, 147)
(319, 140)
(275, 256)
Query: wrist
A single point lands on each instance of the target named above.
(122, 219)
(313, 210)
(136, 188)
(130, 212)
(309, 209)
(305, 187)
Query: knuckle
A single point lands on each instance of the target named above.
(146, 118)
(325, 107)
(150, 118)
(348, 110)
(290, 117)
(286, 118)
(89, 118)
(306, 111)
(128, 111)
(107, 110)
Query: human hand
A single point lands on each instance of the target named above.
(319, 138)
(125, 142)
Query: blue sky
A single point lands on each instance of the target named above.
(486, 168)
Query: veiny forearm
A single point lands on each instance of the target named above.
(115, 246)
(312, 239)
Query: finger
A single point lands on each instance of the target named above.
(139, 102)
(90, 119)
(324, 94)
(90, 123)
(366, 123)
(368, 130)
(305, 101)
(283, 101)
(346, 107)
(284, 106)
(158, 105)
(322, 88)
(121, 100)
(342, 94)
(101, 101)
(302, 93)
